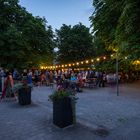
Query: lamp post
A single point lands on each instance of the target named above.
(117, 74)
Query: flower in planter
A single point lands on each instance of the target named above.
(19, 85)
(61, 94)
(23, 91)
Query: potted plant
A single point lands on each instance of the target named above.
(63, 107)
(24, 95)
(23, 91)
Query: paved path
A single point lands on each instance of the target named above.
(97, 108)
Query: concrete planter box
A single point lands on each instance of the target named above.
(63, 112)
(24, 96)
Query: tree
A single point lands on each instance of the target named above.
(128, 30)
(116, 25)
(104, 20)
(25, 41)
(74, 43)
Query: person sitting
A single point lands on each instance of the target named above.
(80, 80)
(59, 83)
(74, 82)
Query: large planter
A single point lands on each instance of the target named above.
(24, 96)
(63, 112)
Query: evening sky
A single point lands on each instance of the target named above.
(58, 12)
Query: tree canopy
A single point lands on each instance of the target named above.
(117, 25)
(25, 40)
(74, 43)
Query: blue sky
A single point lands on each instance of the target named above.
(58, 12)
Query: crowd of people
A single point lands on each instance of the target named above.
(62, 78)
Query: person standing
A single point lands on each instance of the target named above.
(8, 86)
(29, 79)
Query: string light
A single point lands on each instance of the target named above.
(136, 62)
(125, 57)
(41, 67)
(77, 63)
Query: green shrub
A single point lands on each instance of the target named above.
(61, 94)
